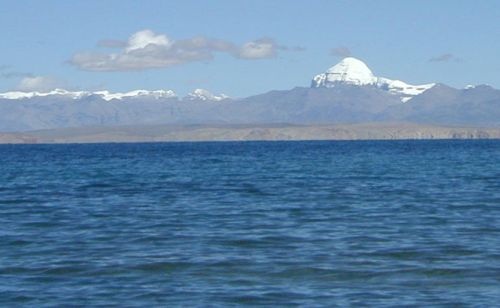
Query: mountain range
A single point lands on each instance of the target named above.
(348, 92)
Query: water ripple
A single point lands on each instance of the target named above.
(389, 223)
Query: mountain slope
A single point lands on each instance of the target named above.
(342, 104)
(478, 106)
(346, 93)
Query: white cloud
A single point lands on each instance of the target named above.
(142, 39)
(39, 83)
(259, 49)
(146, 49)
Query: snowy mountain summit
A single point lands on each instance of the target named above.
(352, 71)
(205, 95)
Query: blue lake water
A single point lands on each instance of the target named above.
(256, 223)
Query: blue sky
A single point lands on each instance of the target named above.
(243, 47)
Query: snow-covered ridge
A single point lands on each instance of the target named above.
(60, 92)
(205, 95)
(106, 95)
(355, 72)
(198, 94)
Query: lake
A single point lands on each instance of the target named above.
(251, 223)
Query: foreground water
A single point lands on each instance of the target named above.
(273, 223)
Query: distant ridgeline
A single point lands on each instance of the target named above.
(346, 93)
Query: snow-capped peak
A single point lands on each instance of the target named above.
(349, 70)
(205, 95)
(355, 72)
(106, 95)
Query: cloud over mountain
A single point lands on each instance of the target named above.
(146, 50)
(39, 83)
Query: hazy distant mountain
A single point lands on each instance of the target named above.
(346, 93)
(341, 104)
(479, 106)
(72, 109)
